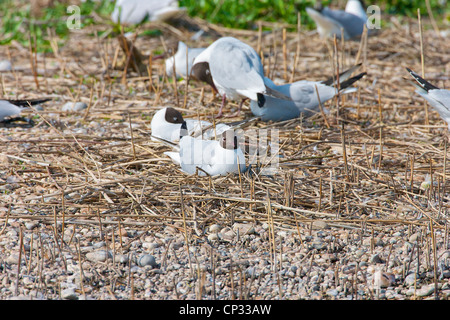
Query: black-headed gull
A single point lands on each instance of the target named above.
(136, 11)
(330, 22)
(10, 109)
(304, 96)
(438, 98)
(211, 157)
(234, 70)
(180, 59)
(166, 125)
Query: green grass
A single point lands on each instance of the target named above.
(17, 23)
(245, 13)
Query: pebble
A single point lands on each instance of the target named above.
(213, 237)
(410, 279)
(98, 256)
(13, 258)
(333, 292)
(69, 294)
(243, 228)
(319, 225)
(413, 238)
(146, 260)
(31, 225)
(77, 106)
(425, 290)
(121, 258)
(214, 228)
(375, 258)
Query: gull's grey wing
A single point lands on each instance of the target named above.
(236, 65)
(352, 24)
(326, 26)
(8, 109)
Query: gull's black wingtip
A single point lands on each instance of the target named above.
(424, 84)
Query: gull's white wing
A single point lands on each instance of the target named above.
(8, 109)
(237, 66)
(439, 99)
(326, 26)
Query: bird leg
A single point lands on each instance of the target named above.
(224, 102)
(239, 109)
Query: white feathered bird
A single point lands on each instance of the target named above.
(166, 125)
(303, 96)
(136, 11)
(234, 70)
(11, 109)
(331, 22)
(183, 55)
(211, 157)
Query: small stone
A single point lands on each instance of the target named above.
(319, 245)
(243, 228)
(213, 237)
(376, 258)
(320, 225)
(333, 292)
(425, 290)
(123, 232)
(413, 238)
(69, 294)
(410, 279)
(121, 258)
(214, 228)
(146, 260)
(98, 256)
(13, 259)
(31, 225)
(77, 106)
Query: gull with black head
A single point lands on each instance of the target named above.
(305, 96)
(234, 70)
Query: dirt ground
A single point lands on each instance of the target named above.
(359, 203)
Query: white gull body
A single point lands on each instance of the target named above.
(235, 70)
(211, 157)
(304, 97)
(330, 22)
(136, 11)
(8, 110)
(180, 59)
(166, 125)
(11, 109)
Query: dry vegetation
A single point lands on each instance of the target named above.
(355, 173)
